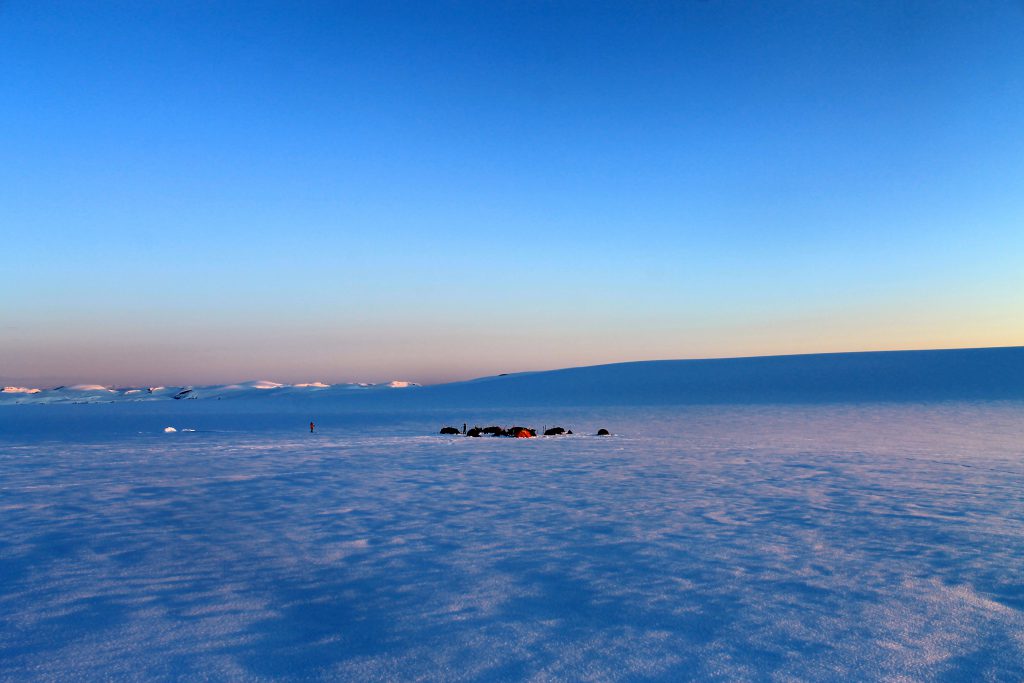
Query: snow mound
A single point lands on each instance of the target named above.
(20, 390)
(169, 430)
(261, 385)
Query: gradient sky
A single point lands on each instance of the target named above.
(198, 192)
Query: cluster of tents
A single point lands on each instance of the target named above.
(515, 432)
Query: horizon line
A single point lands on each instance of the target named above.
(525, 372)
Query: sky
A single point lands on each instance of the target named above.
(202, 192)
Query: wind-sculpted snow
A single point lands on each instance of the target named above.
(845, 542)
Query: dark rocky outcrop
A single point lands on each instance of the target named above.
(450, 430)
(554, 431)
(603, 432)
(497, 431)
(475, 431)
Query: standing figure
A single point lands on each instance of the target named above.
(463, 427)
(311, 427)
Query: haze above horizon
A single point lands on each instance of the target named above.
(202, 193)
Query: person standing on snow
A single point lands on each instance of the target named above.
(311, 427)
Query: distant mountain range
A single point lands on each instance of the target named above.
(259, 389)
(956, 374)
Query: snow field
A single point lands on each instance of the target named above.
(873, 542)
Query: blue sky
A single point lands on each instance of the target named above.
(202, 192)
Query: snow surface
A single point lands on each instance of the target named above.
(841, 541)
(956, 374)
(812, 518)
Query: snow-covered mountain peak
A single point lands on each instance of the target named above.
(20, 390)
